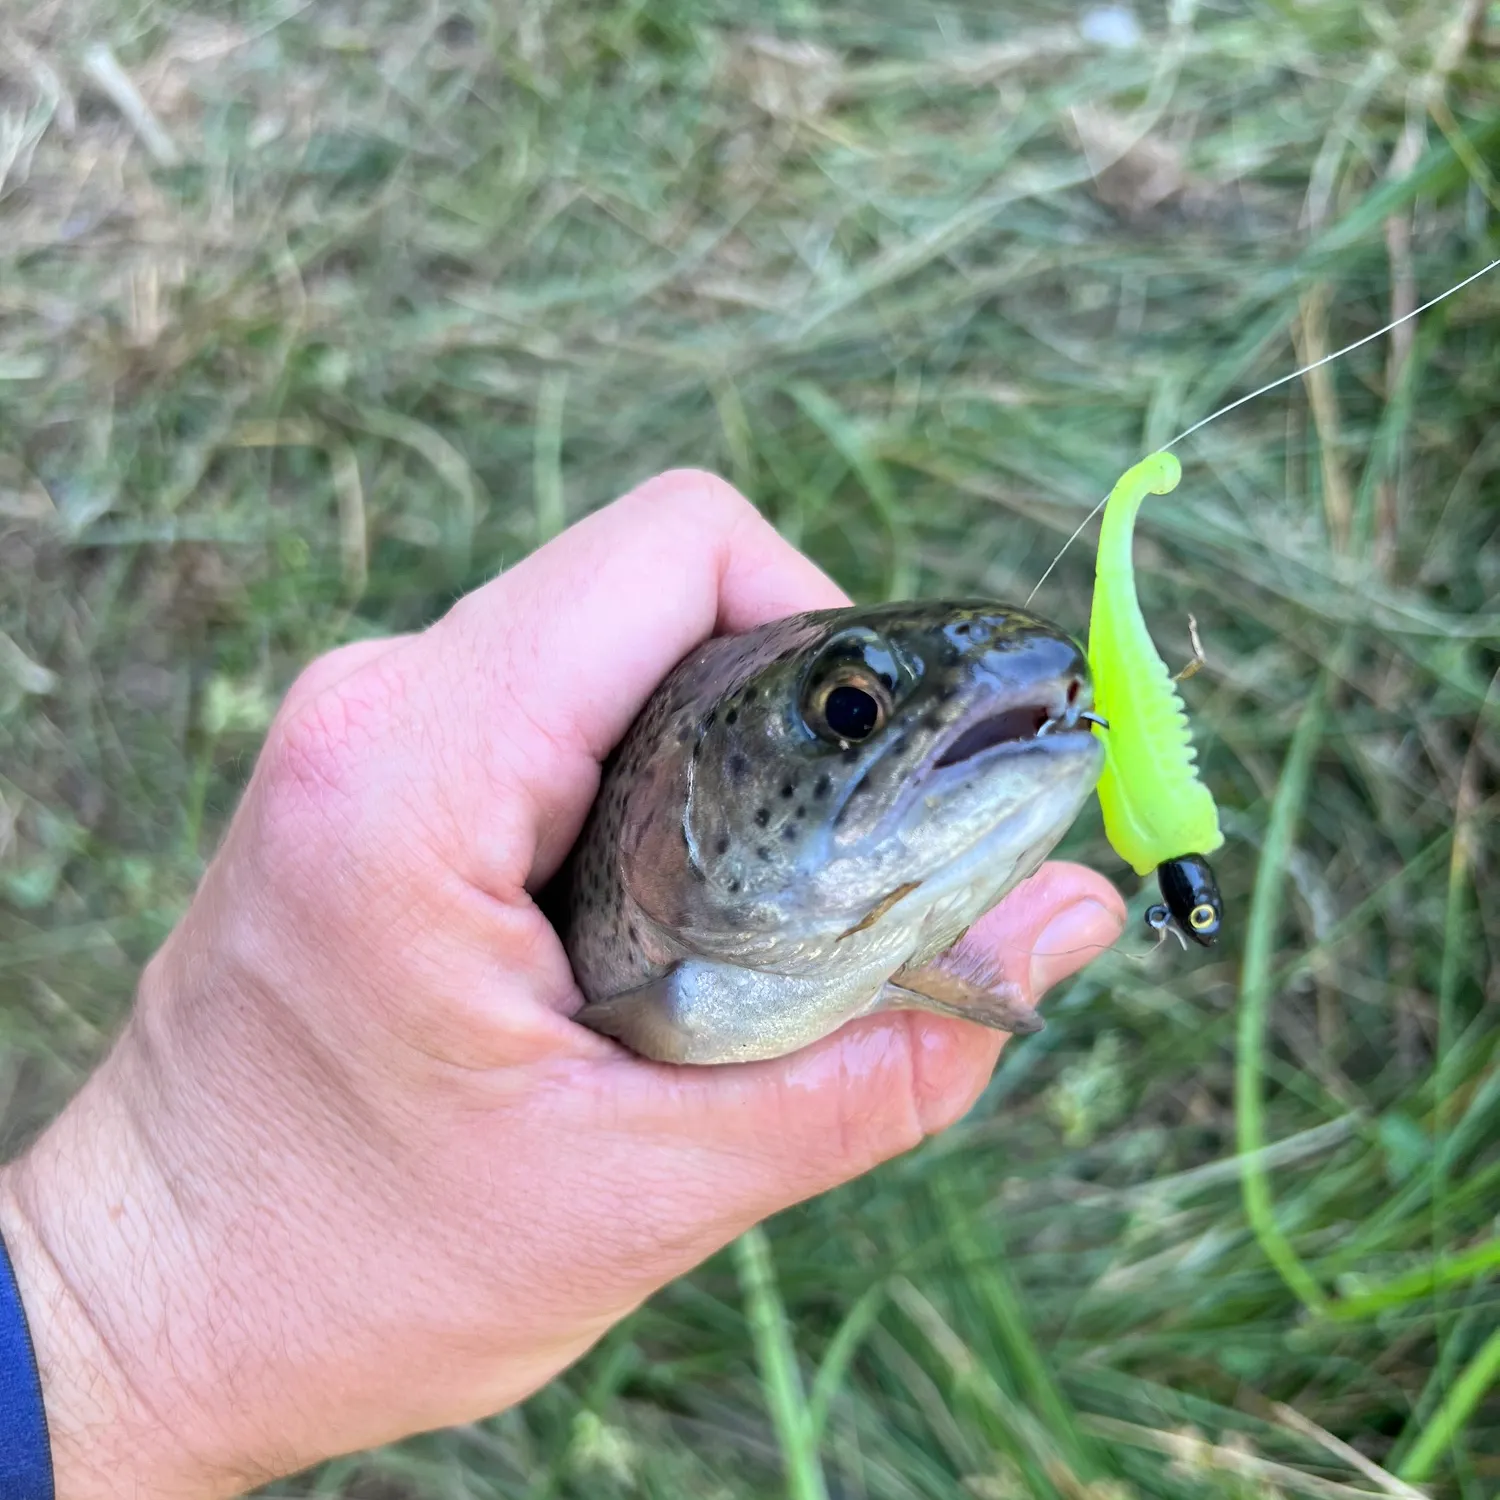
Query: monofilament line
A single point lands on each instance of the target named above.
(1281, 380)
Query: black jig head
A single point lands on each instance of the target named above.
(1191, 905)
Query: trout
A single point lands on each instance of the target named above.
(805, 819)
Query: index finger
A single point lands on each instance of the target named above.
(564, 649)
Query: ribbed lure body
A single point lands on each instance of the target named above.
(1155, 807)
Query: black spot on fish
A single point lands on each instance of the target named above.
(762, 815)
(822, 786)
(932, 722)
(738, 764)
(732, 717)
(788, 787)
(763, 853)
(748, 695)
(788, 834)
(721, 844)
(634, 936)
(801, 812)
(734, 887)
(900, 746)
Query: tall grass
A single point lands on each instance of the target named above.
(330, 311)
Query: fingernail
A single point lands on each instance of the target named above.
(1074, 936)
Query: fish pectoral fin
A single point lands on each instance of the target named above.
(644, 1019)
(939, 987)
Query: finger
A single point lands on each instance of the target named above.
(541, 671)
(1049, 927)
(877, 1087)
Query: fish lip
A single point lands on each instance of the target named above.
(932, 782)
(936, 776)
(1057, 744)
(999, 726)
(1017, 724)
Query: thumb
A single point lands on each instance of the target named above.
(798, 1125)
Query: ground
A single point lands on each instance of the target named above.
(314, 314)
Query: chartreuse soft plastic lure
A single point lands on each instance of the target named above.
(1158, 814)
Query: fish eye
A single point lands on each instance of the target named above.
(848, 707)
(851, 687)
(1202, 917)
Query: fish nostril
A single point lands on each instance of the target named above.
(1074, 688)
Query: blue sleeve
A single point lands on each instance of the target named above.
(25, 1451)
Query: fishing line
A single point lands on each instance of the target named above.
(1272, 385)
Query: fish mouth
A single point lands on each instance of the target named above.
(1016, 727)
(1011, 726)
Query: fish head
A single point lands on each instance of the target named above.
(932, 749)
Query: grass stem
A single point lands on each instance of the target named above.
(780, 1378)
(1450, 1418)
(1255, 999)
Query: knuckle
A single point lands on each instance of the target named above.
(309, 752)
(313, 753)
(333, 666)
(322, 746)
(950, 1062)
(700, 494)
(855, 1101)
(902, 1077)
(889, 1121)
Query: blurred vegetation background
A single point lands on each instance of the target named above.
(315, 314)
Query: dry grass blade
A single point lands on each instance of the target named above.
(1228, 1461)
(1387, 1484)
(104, 68)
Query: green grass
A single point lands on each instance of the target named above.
(408, 288)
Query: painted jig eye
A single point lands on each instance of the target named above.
(1192, 896)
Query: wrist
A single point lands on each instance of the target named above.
(76, 1372)
(88, 1224)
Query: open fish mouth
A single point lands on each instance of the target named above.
(1008, 727)
(1018, 726)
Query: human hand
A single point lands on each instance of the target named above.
(351, 1172)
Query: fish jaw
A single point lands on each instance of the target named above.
(978, 823)
(1013, 848)
(970, 842)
